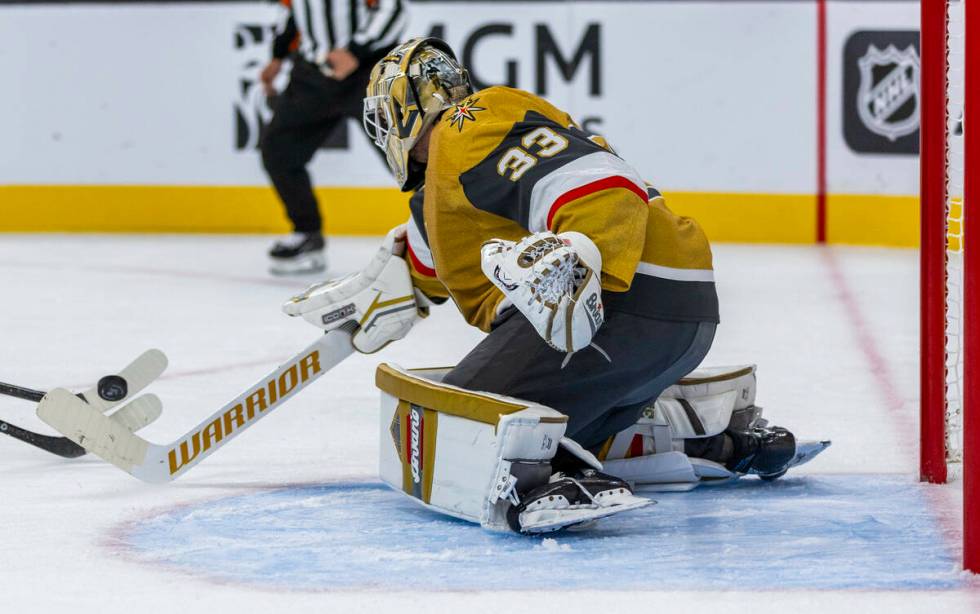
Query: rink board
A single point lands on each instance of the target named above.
(814, 532)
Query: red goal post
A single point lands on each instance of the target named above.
(950, 321)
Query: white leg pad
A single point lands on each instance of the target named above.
(667, 423)
(694, 418)
(710, 381)
(700, 405)
(455, 450)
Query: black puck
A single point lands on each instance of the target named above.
(112, 388)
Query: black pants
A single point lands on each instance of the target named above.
(309, 108)
(599, 397)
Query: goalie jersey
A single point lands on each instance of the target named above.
(505, 163)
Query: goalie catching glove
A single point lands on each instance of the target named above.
(380, 299)
(554, 281)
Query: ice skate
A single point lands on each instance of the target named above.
(769, 452)
(762, 451)
(572, 501)
(297, 254)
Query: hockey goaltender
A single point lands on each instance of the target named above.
(599, 302)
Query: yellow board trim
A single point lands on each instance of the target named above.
(859, 219)
(224, 209)
(749, 218)
(863, 219)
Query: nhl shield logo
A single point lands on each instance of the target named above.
(888, 95)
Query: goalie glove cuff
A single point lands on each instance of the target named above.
(554, 281)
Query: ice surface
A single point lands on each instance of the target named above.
(839, 532)
(834, 332)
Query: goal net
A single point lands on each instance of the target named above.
(955, 64)
(948, 151)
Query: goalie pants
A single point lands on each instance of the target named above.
(600, 397)
(306, 113)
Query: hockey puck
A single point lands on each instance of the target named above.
(112, 388)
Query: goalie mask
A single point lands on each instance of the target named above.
(408, 90)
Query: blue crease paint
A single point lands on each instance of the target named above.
(811, 532)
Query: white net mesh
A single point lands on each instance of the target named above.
(955, 50)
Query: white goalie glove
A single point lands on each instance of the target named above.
(380, 299)
(554, 281)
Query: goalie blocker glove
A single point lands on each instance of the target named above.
(380, 299)
(554, 281)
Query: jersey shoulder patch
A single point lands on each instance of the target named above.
(490, 105)
(463, 112)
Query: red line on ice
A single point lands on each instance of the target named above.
(940, 498)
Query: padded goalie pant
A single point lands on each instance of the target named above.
(600, 397)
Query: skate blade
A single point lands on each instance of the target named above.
(806, 451)
(301, 265)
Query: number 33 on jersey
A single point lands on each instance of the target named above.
(518, 160)
(504, 164)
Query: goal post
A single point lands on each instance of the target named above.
(950, 307)
(971, 305)
(932, 271)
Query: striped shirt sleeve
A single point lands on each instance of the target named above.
(381, 29)
(285, 30)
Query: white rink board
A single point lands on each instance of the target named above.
(687, 90)
(698, 96)
(850, 172)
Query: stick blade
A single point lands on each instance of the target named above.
(88, 427)
(113, 390)
(138, 413)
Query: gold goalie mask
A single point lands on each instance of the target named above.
(408, 90)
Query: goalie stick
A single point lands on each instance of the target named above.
(150, 462)
(109, 392)
(60, 446)
(19, 392)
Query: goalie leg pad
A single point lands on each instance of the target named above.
(665, 425)
(702, 404)
(468, 454)
(710, 381)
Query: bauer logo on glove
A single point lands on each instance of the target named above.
(554, 281)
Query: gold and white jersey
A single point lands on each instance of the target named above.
(505, 163)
